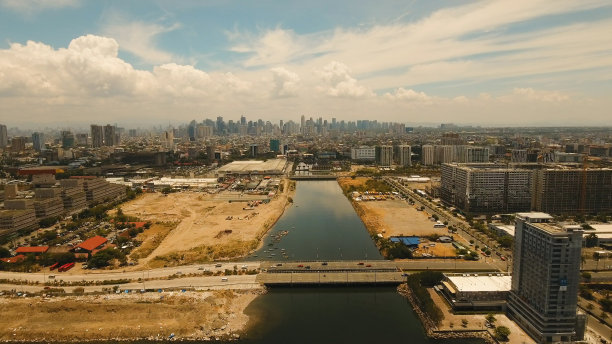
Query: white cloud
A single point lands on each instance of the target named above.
(339, 82)
(88, 81)
(139, 38)
(409, 95)
(285, 82)
(32, 6)
(541, 95)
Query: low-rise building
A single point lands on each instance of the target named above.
(484, 291)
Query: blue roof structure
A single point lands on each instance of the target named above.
(408, 241)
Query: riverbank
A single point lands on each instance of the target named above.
(153, 316)
(207, 227)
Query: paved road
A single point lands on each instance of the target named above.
(100, 275)
(198, 283)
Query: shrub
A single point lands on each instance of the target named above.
(502, 333)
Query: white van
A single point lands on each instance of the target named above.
(224, 279)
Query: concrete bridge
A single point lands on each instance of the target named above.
(314, 177)
(329, 273)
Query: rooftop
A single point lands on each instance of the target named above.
(253, 165)
(490, 282)
(92, 243)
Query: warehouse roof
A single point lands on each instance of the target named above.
(473, 283)
(253, 166)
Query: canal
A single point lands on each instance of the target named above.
(322, 225)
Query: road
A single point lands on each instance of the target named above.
(198, 283)
(98, 276)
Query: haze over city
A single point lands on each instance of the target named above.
(494, 63)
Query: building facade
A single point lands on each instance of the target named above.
(384, 155)
(545, 278)
(363, 153)
(402, 155)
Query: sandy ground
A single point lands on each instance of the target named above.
(398, 218)
(194, 315)
(203, 230)
(477, 321)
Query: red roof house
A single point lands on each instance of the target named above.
(32, 249)
(18, 258)
(92, 243)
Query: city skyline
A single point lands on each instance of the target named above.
(495, 63)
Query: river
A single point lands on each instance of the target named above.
(322, 225)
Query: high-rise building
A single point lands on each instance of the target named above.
(572, 190)
(97, 136)
(275, 145)
(81, 139)
(427, 155)
(545, 279)
(402, 155)
(110, 137)
(38, 141)
(3, 136)
(254, 150)
(67, 139)
(18, 144)
(384, 155)
(486, 188)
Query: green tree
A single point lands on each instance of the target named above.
(491, 318)
(4, 252)
(502, 333)
(591, 240)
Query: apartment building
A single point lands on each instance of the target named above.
(363, 153)
(384, 155)
(402, 155)
(485, 188)
(572, 190)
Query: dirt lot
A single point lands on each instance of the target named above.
(205, 228)
(192, 315)
(397, 217)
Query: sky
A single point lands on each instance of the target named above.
(156, 62)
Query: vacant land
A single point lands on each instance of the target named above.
(398, 218)
(198, 227)
(191, 315)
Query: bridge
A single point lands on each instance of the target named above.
(314, 177)
(312, 273)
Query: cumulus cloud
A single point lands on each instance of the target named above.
(139, 38)
(340, 83)
(409, 95)
(90, 67)
(285, 82)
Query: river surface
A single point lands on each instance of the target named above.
(320, 225)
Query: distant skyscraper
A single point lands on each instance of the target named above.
(38, 141)
(275, 145)
(427, 155)
(67, 139)
(18, 144)
(384, 155)
(97, 136)
(402, 155)
(3, 136)
(81, 139)
(110, 138)
(545, 279)
(254, 150)
(243, 120)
